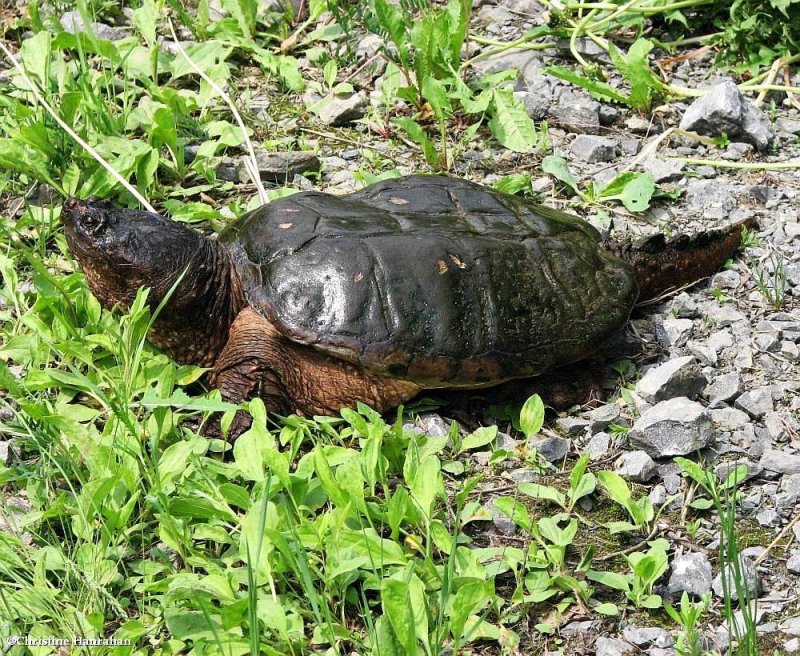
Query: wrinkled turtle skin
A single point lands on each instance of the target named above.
(432, 279)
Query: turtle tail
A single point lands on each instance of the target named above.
(661, 265)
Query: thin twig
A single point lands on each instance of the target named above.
(251, 164)
(773, 73)
(40, 98)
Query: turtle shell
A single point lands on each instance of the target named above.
(432, 279)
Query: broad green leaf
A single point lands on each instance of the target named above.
(404, 603)
(469, 599)
(531, 416)
(608, 609)
(417, 134)
(615, 486)
(515, 511)
(635, 68)
(736, 476)
(538, 491)
(558, 168)
(510, 123)
(610, 579)
(145, 19)
(244, 11)
(481, 437)
(427, 484)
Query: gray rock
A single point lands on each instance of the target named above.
(339, 110)
(433, 425)
(575, 628)
(705, 355)
(613, 647)
(598, 446)
(691, 573)
(725, 315)
(789, 125)
(663, 170)
(793, 563)
(502, 523)
(725, 110)
(552, 449)
(792, 646)
(723, 470)
(780, 461)
(723, 389)
(280, 167)
(756, 402)
(749, 579)
(709, 198)
(602, 417)
(737, 150)
(369, 46)
(636, 466)
(675, 427)
(719, 340)
(672, 333)
(791, 626)
(676, 377)
(727, 279)
(729, 419)
(576, 111)
(685, 307)
(523, 475)
(768, 518)
(537, 104)
(571, 426)
(590, 148)
(72, 22)
(505, 441)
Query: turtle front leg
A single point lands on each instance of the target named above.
(258, 361)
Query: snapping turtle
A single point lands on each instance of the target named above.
(316, 302)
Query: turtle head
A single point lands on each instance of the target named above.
(121, 250)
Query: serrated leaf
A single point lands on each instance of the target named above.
(510, 124)
(635, 68)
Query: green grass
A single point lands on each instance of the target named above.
(332, 535)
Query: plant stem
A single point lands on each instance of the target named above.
(751, 166)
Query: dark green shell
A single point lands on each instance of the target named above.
(432, 279)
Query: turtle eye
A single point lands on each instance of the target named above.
(93, 222)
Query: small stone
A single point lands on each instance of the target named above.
(576, 111)
(725, 315)
(663, 170)
(602, 417)
(768, 518)
(737, 150)
(756, 402)
(752, 470)
(672, 333)
(690, 573)
(523, 475)
(505, 441)
(552, 449)
(598, 446)
(636, 466)
(685, 307)
(720, 340)
(749, 579)
(72, 22)
(433, 425)
(767, 342)
(676, 377)
(723, 389)
(280, 167)
(793, 563)
(575, 628)
(369, 46)
(591, 149)
(789, 125)
(727, 279)
(571, 426)
(791, 626)
(729, 419)
(705, 355)
(724, 110)
(780, 462)
(792, 646)
(502, 523)
(675, 427)
(613, 647)
(336, 110)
